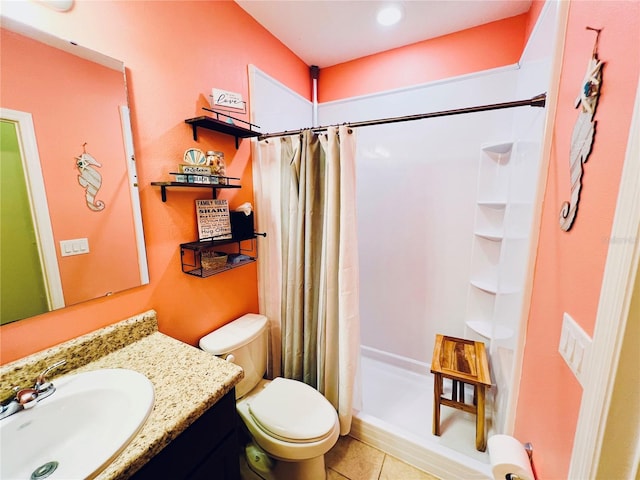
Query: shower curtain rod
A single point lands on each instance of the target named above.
(537, 101)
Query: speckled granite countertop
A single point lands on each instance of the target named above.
(187, 381)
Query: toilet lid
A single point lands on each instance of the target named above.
(293, 411)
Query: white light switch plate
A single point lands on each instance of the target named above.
(77, 246)
(575, 346)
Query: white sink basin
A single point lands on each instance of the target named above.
(83, 426)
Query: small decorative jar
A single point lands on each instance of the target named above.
(216, 160)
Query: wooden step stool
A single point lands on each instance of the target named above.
(464, 362)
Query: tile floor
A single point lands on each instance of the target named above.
(402, 401)
(351, 459)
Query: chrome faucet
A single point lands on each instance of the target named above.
(25, 398)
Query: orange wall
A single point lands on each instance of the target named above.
(74, 101)
(175, 52)
(487, 46)
(532, 16)
(168, 77)
(569, 267)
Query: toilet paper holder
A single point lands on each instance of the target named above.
(528, 447)
(511, 459)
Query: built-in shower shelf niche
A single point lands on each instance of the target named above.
(494, 204)
(490, 331)
(498, 151)
(493, 173)
(493, 288)
(500, 247)
(499, 236)
(492, 235)
(489, 221)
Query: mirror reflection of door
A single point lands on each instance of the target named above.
(27, 285)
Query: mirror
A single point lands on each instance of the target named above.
(69, 206)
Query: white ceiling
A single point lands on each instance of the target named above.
(328, 32)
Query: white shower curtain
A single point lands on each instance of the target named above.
(304, 188)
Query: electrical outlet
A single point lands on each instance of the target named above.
(575, 346)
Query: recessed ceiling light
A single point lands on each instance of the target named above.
(389, 15)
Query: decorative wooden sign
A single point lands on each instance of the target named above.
(227, 99)
(214, 222)
(195, 169)
(583, 134)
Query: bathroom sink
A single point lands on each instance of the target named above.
(78, 430)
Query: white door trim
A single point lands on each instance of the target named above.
(132, 171)
(613, 310)
(39, 206)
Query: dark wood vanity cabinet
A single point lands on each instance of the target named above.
(207, 450)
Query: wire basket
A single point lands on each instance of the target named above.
(211, 260)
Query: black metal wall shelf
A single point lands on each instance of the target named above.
(192, 256)
(201, 258)
(164, 185)
(221, 126)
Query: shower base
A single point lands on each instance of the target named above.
(396, 417)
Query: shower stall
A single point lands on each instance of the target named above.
(444, 208)
(445, 214)
(445, 211)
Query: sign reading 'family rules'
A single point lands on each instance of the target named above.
(213, 219)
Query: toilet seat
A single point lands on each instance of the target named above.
(293, 411)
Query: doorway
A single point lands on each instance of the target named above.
(30, 280)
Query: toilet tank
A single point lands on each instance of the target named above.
(243, 342)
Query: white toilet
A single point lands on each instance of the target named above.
(291, 421)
